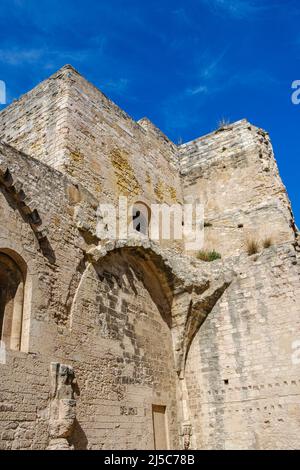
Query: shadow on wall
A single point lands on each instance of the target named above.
(137, 265)
(78, 438)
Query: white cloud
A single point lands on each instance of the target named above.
(201, 89)
(208, 74)
(116, 86)
(181, 15)
(20, 56)
(211, 69)
(252, 79)
(236, 8)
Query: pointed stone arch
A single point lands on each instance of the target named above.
(186, 290)
(13, 191)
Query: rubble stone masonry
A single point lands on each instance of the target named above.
(135, 344)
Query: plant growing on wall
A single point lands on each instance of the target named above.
(252, 247)
(208, 256)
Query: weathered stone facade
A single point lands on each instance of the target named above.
(132, 343)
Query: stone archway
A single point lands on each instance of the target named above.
(138, 307)
(125, 317)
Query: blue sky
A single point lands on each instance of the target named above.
(185, 65)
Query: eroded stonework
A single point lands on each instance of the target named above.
(62, 410)
(132, 343)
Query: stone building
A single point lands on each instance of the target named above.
(136, 343)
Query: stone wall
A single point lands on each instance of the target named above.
(121, 317)
(124, 355)
(69, 124)
(36, 123)
(102, 320)
(234, 174)
(242, 382)
(112, 329)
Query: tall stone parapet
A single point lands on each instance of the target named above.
(235, 175)
(62, 412)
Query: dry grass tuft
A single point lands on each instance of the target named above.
(267, 242)
(252, 247)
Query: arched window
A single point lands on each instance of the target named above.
(11, 302)
(141, 217)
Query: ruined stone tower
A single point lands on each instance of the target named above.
(134, 343)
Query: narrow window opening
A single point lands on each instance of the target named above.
(141, 218)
